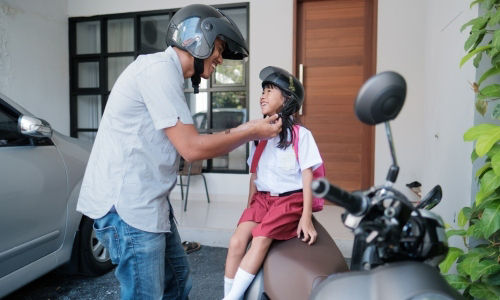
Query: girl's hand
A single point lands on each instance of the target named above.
(307, 228)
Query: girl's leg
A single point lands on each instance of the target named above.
(250, 264)
(252, 261)
(237, 247)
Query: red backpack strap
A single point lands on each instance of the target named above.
(256, 156)
(296, 140)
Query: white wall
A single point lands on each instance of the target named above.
(422, 41)
(34, 68)
(270, 43)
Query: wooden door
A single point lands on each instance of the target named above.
(335, 43)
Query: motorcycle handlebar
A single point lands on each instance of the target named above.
(354, 204)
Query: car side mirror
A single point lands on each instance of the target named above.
(34, 127)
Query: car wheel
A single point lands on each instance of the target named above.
(94, 256)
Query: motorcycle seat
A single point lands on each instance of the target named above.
(293, 268)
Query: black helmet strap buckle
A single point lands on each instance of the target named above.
(198, 70)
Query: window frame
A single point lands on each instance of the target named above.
(103, 55)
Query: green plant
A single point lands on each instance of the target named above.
(479, 265)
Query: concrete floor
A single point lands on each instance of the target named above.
(207, 269)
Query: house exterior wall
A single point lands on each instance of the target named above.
(34, 58)
(422, 41)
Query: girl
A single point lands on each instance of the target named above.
(280, 198)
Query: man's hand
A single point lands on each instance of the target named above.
(266, 128)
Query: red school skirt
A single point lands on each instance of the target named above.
(277, 216)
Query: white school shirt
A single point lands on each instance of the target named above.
(133, 164)
(278, 170)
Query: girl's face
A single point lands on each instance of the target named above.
(271, 101)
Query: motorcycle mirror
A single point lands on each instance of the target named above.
(432, 198)
(381, 98)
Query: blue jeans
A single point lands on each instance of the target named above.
(150, 265)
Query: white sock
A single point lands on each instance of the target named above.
(242, 280)
(228, 283)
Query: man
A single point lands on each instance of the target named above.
(133, 163)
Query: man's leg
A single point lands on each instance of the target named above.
(139, 255)
(178, 281)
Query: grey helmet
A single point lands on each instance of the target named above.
(285, 81)
(194, 29)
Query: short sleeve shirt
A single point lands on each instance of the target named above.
(133, 164)
(278, 170)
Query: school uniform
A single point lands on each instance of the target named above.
(277, 205)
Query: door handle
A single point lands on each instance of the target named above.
(301, 79)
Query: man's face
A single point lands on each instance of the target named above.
(215, 59)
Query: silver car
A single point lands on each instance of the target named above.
(40, 176)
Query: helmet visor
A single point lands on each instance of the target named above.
(189, 36)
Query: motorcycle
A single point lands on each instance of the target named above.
(397, 246)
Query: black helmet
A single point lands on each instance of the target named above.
(285, 81)
(195, 27)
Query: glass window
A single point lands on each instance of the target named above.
(89, 111)
(239, 17)
(121, 35)
(88, 74)
(88, 37)
(230, 72)
(116, 65)
(154, 33)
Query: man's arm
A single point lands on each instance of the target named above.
(194, 146)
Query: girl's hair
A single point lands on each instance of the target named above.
(290, 107)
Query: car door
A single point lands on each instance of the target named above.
(33, 195)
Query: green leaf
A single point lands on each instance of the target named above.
(474, 231)
(451, 257)
(473, 156)
(474, 52)
(484, 267)
(489, 4)
(496, 112)
(481, 291)
(473, 38)
(467, 265)
(490, 91)
(479, 130)
(457, 281)
(483, 169)
(471, 22)
(481, 106)
(475, 2)
(495, 60)
(487, 138)
(464, 216)
(495, 19)
(477, 59)
(495, 163)
(490, 220)
(494, 150)
(453, 232)
(492, 71)
(488, 184)
(493, 279)
(496, 40)
(493, 198)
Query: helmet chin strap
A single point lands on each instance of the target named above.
(198, 70)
